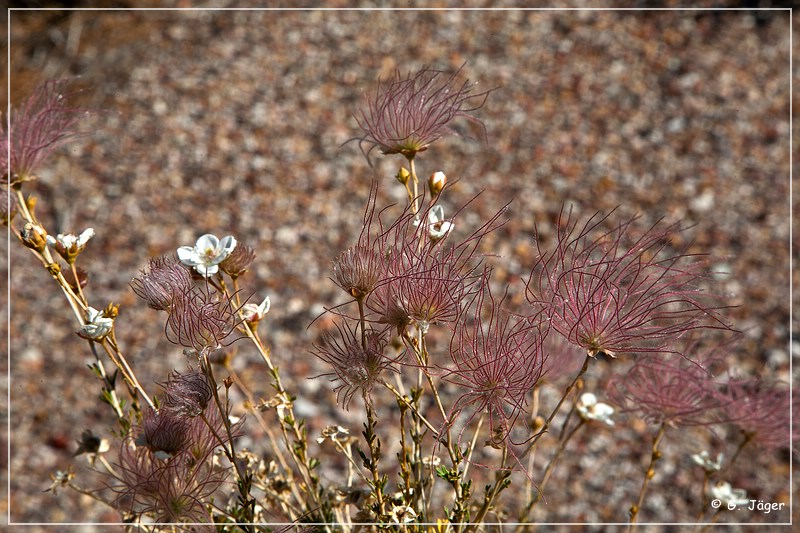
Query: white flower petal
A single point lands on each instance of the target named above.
(436, 214)
(87, 234)
(587, 399)
(207, 242)
(227, 245)
(206, 270)
(186, 255)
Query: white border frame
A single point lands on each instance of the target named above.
(500, 524)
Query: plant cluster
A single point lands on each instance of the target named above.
(424, 345)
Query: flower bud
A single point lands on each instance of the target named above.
(253, 313)
(111, 310)
(402, 175)
(33, 237)
(436, 183)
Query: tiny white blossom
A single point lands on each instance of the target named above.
(402, 514)
(207, 253)
(97, 325)
(590, 409)
(253, 312)
(729, 496)
(431, 461)
(437, 226)
(333, 433)
(704, 459)
(60, 479)
(69, 245)
(68, 240)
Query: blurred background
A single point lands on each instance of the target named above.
(237, 122)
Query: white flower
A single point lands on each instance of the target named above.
(253, 312)
(402, 514)
(704, 459)
(207, 253)
(431, 461)
(69, 245)
(729, 496)
(333, 433)
(60, 479)
(437, 226)
(97, 325)
(69, 240)
(590, 409)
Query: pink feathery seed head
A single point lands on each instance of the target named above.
(425, 281)
(173, 489)
(406, 114)
(40, 125)
(201, 320)
(432, 293)
(239, 260)
(357, 362)
(164, 431)
(357, 271)
(562, 360)
(668, 389)
(611, 291)
(496, 359)
(761, 409)
(187, 394)
(168, 471)
(164, 278)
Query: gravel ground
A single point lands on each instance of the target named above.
(235, 123)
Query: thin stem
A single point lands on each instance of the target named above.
(472, 443)
(352, 465)
(374, 456)
(403, 454)
(567, 392)
(747, 438)
(362, 322)
(273, 441)
(703, 497)
(406, 403)
(500, 483)
(252, 409)
(549, 470)
(655, 455)
(112, 348)
(415, 180)
(229, 450)
(298, 450)
(78, 285)
(113, 400)
(531, 457)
